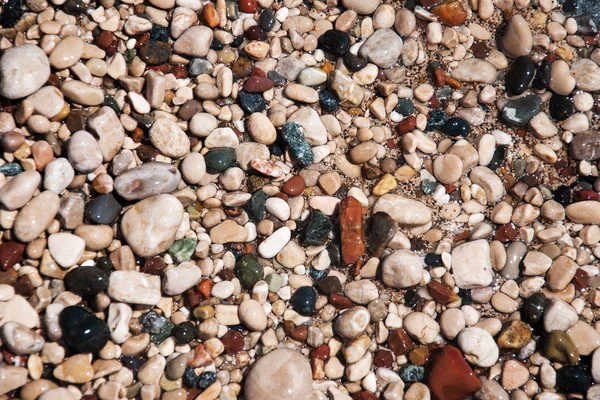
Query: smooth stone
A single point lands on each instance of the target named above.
(315, 132)
(65, 248)
(20, 339)
(561, 107)
(450, 377)
(587, 74)
(261, 129)
(559, 315)
(228, 231)
(194, 42)
(134, 287)
(169, 138)
(19, 310)
(36, 216)
(11, 253)
(584, 212)
(82, 93)
(105, 124)
(75, 369)
(585, 337)
(585, 146)
(472, 265)
(17, 192)
(519, 75)
(518, 39)
(303, 300)
(401, 269)
(478, 346)
(293, 134)
(272, 245)
(252, 315)
(23, 70)
(86, 281)
(12, 378)
(560, 347)
(573, 379)
(475, 70)
(66, 53)
(489, 181)
(352, 323)
(281, 374)
(193, 168)
(84, 152)
(248, 270)
(405, 211)
(58, 174)
(218, 160)
(103, 209)
(456, 127)
(519, 112)
(382, 48)
(147, 180)
(362, 7)
(335, 41)
(181, 278)
(82, 330)
(149, 227)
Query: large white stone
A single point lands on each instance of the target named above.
(134, 287)
(472, 265)
(23, 70)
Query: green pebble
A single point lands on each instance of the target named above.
(317, 229)
(218, 160)
(428, 186)
(163, 334)
(248, 270)
(274, 281)
(183, 249)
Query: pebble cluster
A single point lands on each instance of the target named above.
(299, 199)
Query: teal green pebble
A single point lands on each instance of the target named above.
(294, 136)
(183, 249)
(248, 270)
(218, 160)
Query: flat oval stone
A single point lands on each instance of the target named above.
(147, 180)
(84, 152)
(587, 74)
(405, 211)
(103, 209)
(86, 281)
(82, 330)
(585, 146)
(517, 40)
(82, 93)
(584, 212)
(475, 70)
(149, 239)
(382, 48)
(23, 70)
(169, 138)
(281, 374)
(67, 52)
(34, 218)
(519, 75)
(19, 190)
(519, 112)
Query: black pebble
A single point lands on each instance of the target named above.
(542, 76)
(160, 33)
(82, 330)
(304, 299)
(533, 308)
(217, 45)
(497, 158)
(103, 210)
(206, 379)
(456, 127)
(252, 102)
(573, 379)
(105, 264)
(86, 281)
(433, 260)
(562, 195)
(519, 75)
(184, 332)
(354, 63)
(328, 101)
(12, 11)
(74, 7)
(561, 107)
(266, 20)
(337, 42)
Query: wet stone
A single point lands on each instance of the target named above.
(519, 112)
(303, 300)
(327, 101)
(206, 379)
(103, 209)
(337, 42)
(82, 330)
(515, 335)
(74, 7)
(316, 230)
(218, 160)
(560, 347)
(86, 281)
(329, 285)
(252, 102)
(184, 332)
(199, 66)
(293, 134)
(159, 327)
(155, 52)
(405, 107)
(183, 249)
(233, 343)
(266, 20)
(256, 204)
(519, 75)
(585, 146)
(450, 377)
(573, 379)
(11, 169)
(560, 107)
(380, 228)
(412, 373)
(436, 121)
(354, 62)
(542, 76)
(456, 127)
(10, 254)
(248, 270)
(12, 11)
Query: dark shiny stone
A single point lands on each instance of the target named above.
(573, 379)
(335, 254)
(329, 285)
(105, 264)
(103, 210)
(218, 160)
(293, 134)
(237, 42)
(11, 169)
(315, 230)
(542, 76)
(465, 296)
(586, 24)
(160, 33)
(112, 103)
(159, 327)
(217, 45)
(277, 78)
(190, 378)
(437, 119)
(256, 206)
(82, 330)
(405, 107)
(481, 50)
(380, 229)
(184, 332)
(206, 379)
(74, 7)
(412, 373)
(498, 158)
(518, 113)
(337, 42)
(132, 363)
(252, 102)
(519, 75)
(86, 281)
(560, 107)
(354, 63)
(248, 270)
(562, 195)
(256, 33)
(200, 66)
(412, 298)
(315, 274)
(303, 300)
(327, 101)
(533, 310)
(433, 260)
(267, 20)
(12, 11)
(154, 52)
(10, 254)
(456, 127)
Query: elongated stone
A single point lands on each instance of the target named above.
(351, 230)
(293, 134)
(147, 180)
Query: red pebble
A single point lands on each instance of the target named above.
(248, 6)
(363, 395)
(438, 77)
(383, 358)
(179, 71)
(10, 254)
(322, 352)
(233, 342)
(399, 342)
(450, 376)
(581, 280)
(352, 231)
(505, 233)
(582, 195)
(406, 125)
(340, 301)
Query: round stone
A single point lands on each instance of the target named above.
(86, 281)
(281, 374)
(82, 330)
(248, 270)
(304, 299)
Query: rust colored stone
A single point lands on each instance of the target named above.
(383, 358)
(179, 71)
(258, 84)
(23, 286)
(322, 352)
(428, 4)
(299, 333)
(451, 12)
(439, 79)
(441, 293)
(104, 39)
(294, 186)
(153, 266)
(210, 16)
(192, 298)
(582, 195)
(434, 102)
(515, 335)
(8, 277)
(248, 6)
(10, 254)
(204, 287)
(581, 280)
(340, 301)
(505, 233)
(399, 342)
(450, 376)
(352, 230)
(406, 125)
(480, 50)
(233, 342)
(363, 395)
(419, 356)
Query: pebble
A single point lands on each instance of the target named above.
(252, 315)
(406, 212)
(36, 216)
(471, 264)
(20, 340)
(65, 248)
(519, 75)
(19, 190)
(194, 42)
(86, 281)
(478, 346)
(23, 70)
(147, 180)
(12, 378)
(181, 278)
(83, 331)
(84, 152)
(475, 70)
(148, 240)
(352, 323)
(75, 369)
(518, 39)
(401, 269)
(382, 48)
(586, 72)
(421, 327)
(519, 112)
(134, 287)
(169, 138)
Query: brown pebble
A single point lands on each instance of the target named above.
(294, 186)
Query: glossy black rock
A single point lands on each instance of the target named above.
(337, 42)
(519, 75)
(103, 209)
(560, 107)
(303, 300)
(534, 307)
(456, 127)
(82, 330)
(86, 281)
(354, 63)
(542, 76)
(573, 379)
